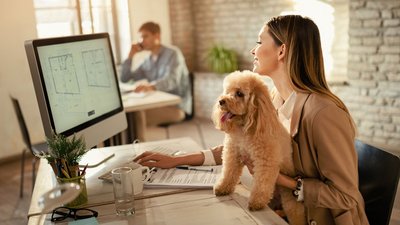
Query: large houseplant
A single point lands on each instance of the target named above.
(222, 60)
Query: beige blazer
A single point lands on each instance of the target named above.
(325, 156)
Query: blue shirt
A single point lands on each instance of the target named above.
(168, 73)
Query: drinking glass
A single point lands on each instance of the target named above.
(123, 190)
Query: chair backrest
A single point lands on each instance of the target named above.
(22, 124)
(191, 85)
(378, 179)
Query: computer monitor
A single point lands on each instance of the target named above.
(76, 86)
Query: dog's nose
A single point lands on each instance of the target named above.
(221, 102)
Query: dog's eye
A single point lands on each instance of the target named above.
(239, 94)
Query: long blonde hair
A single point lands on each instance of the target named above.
(303, 58)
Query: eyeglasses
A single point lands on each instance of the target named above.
(61, 213)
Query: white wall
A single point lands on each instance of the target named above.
(151, 10)
(17, 22)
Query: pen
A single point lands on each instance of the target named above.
(84, 170)
(195, 168)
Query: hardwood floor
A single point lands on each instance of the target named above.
(13, 209)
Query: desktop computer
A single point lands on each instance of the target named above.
(76, 86)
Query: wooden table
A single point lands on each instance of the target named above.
(135, 109)
(156, 206)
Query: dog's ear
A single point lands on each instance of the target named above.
(251, 115)
(261, 116)
(215, 116)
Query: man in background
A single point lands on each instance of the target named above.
(165, 70)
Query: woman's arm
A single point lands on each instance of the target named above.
(153, 159)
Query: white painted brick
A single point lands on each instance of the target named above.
(372, 23)
(390, 111)
(391, 23)
(388, 84)
(392, 58)
(372, 41)
(382, 4)
(392, 40)
(396, 12)
(361, 83)
(393, 77)
(363, 49)
(366, 14)
(389, 49)
(388, 67)
(363, 67)
(396, 120)
(387, 14)
(364, 32)
(355, 23)
(376, 59)
(355, 41)
(390, 93)
(392, 31)
(357, 4)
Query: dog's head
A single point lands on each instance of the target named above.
(244, 105)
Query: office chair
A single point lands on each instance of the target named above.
(35, 149)
(188, 117)
(378, 179)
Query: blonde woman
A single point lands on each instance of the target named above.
(289, 51)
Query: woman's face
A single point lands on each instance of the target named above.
(265, 53)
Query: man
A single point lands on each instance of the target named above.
(165, 70)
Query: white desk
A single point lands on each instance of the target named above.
(135, 109)
(158, 206)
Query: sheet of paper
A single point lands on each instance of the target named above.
(88, 221)
(181, 178)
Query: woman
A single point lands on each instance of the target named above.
(322, 131)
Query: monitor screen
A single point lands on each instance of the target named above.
(76, 84)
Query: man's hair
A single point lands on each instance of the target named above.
(151, 27)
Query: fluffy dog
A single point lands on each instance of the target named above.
(246, 114)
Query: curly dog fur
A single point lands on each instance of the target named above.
(246, 114)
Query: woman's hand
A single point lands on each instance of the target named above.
(286, 181)
(153, 159)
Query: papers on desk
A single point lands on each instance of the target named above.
(195, 177)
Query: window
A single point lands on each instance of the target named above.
(331, 17)
(73, 17)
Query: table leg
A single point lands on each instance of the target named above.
(130, 131)
(140, 125)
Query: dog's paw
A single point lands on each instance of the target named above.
(221, 190)
(254, 206)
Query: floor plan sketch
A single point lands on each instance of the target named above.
(64, 74)
(96, 68)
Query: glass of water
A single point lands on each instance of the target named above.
(123, 191)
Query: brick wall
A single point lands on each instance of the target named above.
(369, 54)
(374, 70)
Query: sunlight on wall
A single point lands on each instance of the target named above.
(322, 15)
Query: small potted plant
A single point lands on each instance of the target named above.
(63, 155)
(222, 60)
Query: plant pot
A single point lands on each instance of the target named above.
(82, 197)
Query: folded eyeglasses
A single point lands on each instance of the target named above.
(61, 213)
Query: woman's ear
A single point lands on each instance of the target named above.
(282, 52)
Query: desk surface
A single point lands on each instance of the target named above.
(152, 100)
(157, 206)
